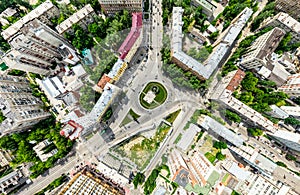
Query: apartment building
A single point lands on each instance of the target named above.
(289, 139)
(11, 180)
(114, 6)
(285, 22)
(43, 12)
(8, 12)
(36, 48)
(292, 86)
(5, 158)
(176, 162)
(291, 110)
(39, 150)
(89, 181)
(134, 39)
(291, 7)
(207, 7)
(223, 94)
(21, 109)
(220, 53)
(261, 48)
(83, 18)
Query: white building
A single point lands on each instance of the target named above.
(176, 162)
(289, 139)
(207, 7)
(278, 112)
(285, 22)
(114, 6)
(39, 150)
(43, 12)
(220, 53)
(261, 47)
(188, 137)
(83, 18)
(11, 180)
(291, 110)
(292, 85)
(21, 109)
(8, 12)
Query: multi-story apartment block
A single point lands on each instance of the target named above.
(133, 39)
(289, 139)
(114, 6)
(261, 48)
(291, 110)
(292, 85)
(291, 7)
(220, 53)
(223, 94)
(83, 18)
(5, 158)
(89, 181)
(43, 12)
(285, 22)
(207, 7)
(18, 105)
(11, 180)
(36, 47)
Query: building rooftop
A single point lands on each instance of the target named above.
(210, 124)
(53, 86)
(188, 137)
(233, 168)
(74, 19)
(209, 66)
(71, 130)
(288, 21)
(37, 12)
(291, 110)
(137, 22)
(117, 69)
(287, 135)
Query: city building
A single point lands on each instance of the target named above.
(5, 158)
(287, 138)
(256, 184)
(176, 162)
(292, 85)
(220, 52)
(36, 48)
(218, 130)
(291, 110)
(114, 75)
(71, 130)
(83, 18)
(8, 12)
(265, 166)
(39, 150)
(285, 22)
(289, 6)
(21, 109)
(114, 6)
(12, 180)
(133, 39)
(188, 137)
(200, 167)
(277, 112)
(207, 7)
(89, 181)
(261, 48)
(43, 12)
(223, 93)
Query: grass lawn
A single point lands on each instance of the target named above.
(224, 179)
(125, 121)
(129, 117)
(159, 99)
(133, 114)
(210, 157)
(178, 138)
(171, 118)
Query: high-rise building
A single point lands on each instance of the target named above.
(114, 6)
(89, 181)
(36, 48)
(261, 48)
(292, 85)
(291, 7)
(289, 139)
(285, 22)
(21, 109)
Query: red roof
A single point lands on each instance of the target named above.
(137, 21)
(104, 79)
(236, 80)
(67, 132)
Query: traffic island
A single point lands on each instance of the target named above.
(153, 95)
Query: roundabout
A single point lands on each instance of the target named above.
(153, 95)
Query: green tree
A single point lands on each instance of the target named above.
(255, 132)
(232, 116)
(220, 156)
(291, 121)
(220, 145)
(139, 179)
(249, 82)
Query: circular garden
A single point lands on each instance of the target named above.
(153, 95)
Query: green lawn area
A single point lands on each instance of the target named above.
(213, 178)
(225, 178)
(210, 157)
(178, 138)
(171, 117)
(133, 114)
(160, 98)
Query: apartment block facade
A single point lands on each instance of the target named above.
(292, 86)
(291, 7)
(21, 109)
(114, 6)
